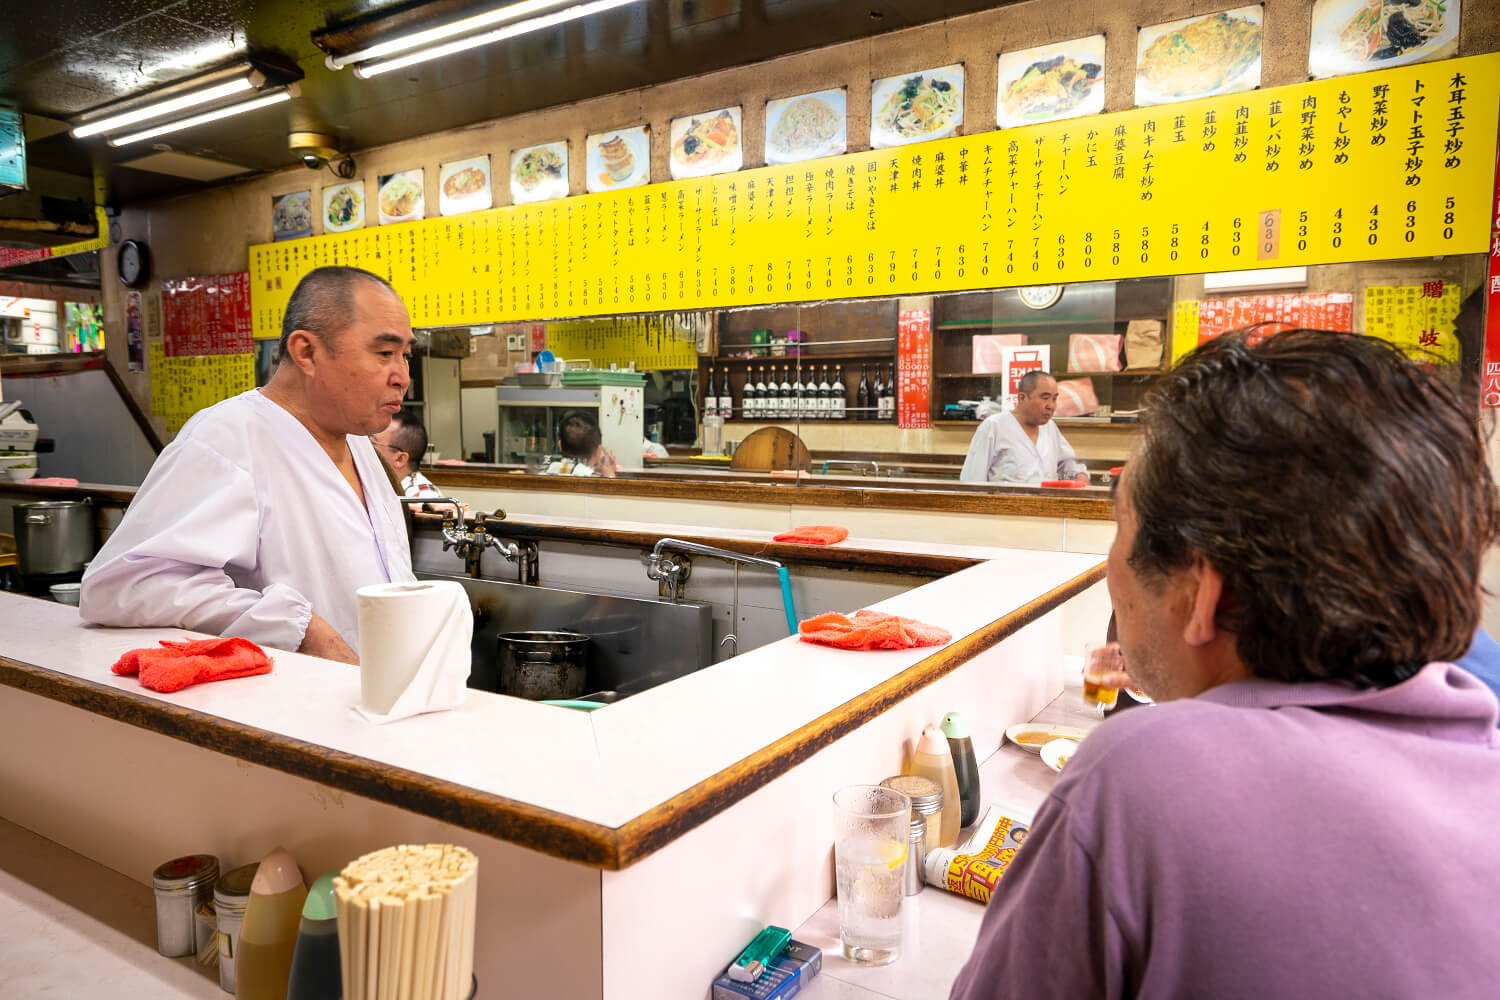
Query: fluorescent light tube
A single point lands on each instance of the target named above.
(160, 108)
(366, 70)
(263, 101)
(430, 36)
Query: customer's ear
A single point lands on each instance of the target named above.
(1205, 589)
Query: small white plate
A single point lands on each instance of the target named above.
(1057, 753)
(1031, 737)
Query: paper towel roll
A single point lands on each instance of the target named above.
(413, 648)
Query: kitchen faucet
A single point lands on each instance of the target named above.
(662, 566)
(469, 544)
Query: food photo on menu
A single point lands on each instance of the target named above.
(539, 173)
(291, 215)
(1199, 57)
(344, 207)
(915, 107)
(1351, 36)
(400, 197)
(1050, 82)
(617, 159)
(464, 186)
(807, 127)
(706, 144)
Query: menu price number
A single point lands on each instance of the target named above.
(1268, 243)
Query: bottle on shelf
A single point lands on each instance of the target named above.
(710, 394)
(799, 400)
(726, 397)
(839, 393)
(877, 395)
(825, 396)
(750, 398)
(862, 395)
(888, 396)
(784, 391)
(762, 396)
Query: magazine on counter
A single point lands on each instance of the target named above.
(977, 864)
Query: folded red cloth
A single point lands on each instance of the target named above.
(815, 534)
(181, 664)
(53, 481)
(870, 630)
(1062, 484)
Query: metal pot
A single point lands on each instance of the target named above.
(543, 665)
(55, 536)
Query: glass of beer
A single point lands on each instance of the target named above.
(1100, 660)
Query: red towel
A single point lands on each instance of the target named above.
(182, 664)
(814, 534)
(870, 630)
(1062, 484)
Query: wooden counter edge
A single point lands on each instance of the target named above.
(521, 823)
(1032, 503)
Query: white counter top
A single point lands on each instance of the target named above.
(605, 767)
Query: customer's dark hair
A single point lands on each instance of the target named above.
(1342, 493)
(579, 436)
(323, 302)
(409, 435)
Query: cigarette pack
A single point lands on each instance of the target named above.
(782, 981)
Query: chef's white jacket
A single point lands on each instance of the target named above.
(245, 527)
(1002, 453)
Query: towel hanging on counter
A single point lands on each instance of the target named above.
(814, 534)
(194, 661)
(865, 630)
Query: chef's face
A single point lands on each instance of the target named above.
(362, 371)
(1035, 408)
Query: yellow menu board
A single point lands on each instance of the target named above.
(650, 344)
(182, 386)
(1396, 163)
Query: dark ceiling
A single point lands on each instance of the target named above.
(65, 58)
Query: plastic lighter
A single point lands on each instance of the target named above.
(759, 954)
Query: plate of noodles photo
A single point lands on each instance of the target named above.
(916, 107)
(1352, 36)
(807, 127)
(1049, 82)
(1198, 57)
(539, 173)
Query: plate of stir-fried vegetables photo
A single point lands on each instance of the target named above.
(916, 107)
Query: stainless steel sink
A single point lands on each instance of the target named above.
(637, 643)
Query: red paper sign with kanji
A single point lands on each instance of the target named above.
(206, 315)
(914, 369)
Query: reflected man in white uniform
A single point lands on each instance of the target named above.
(269, 510)
(1023, 446)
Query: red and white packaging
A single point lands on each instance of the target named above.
(1094, 352)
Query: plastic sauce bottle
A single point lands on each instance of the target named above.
(316, 973)
(270, 930)
(965, 766)
(934, 760)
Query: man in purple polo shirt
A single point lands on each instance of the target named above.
(1311, 810)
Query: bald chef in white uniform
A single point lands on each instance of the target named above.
(1024, 445)
(270, 509)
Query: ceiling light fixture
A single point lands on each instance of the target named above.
(158, 109)
(265, 100)
(264, 78)
(367, 69)
(431, 36)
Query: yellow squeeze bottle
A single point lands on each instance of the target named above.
(269, 933)
(933, 759)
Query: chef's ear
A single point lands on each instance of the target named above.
(302, 350)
